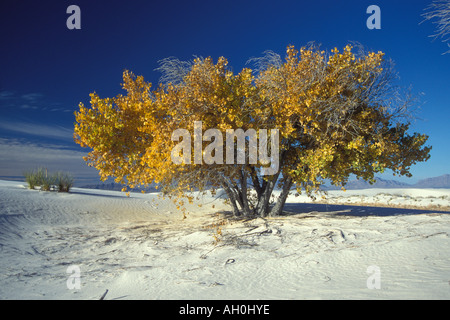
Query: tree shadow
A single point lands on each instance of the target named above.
(79, 191)
(352, 210)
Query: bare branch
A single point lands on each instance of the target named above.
(269, 59)
(173, 70)
(439, 10)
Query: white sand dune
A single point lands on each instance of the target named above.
(137, 248)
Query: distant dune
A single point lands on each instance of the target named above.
(435, 182)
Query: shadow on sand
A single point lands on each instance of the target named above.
(91, 193)
(352, 211)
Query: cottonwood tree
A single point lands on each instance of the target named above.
(336, 114)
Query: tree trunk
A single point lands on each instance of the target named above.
(262, 208)
(233, 201)
(278, 208)
(246, 209)
(237, 194)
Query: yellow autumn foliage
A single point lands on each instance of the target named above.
(328, 107)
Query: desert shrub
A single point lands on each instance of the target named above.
(46, 183)
(29, 178)
(36, 178)
(39, 177)
(64, 181)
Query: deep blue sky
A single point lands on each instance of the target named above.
(47, 69)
